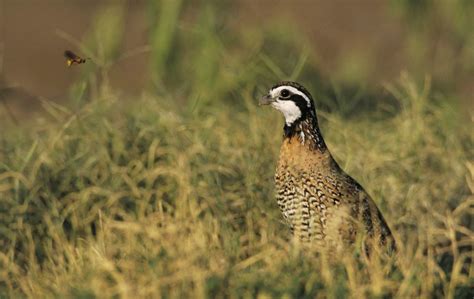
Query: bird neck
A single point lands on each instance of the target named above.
(307, 131)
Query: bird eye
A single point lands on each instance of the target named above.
(284, 93)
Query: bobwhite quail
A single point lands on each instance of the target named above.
(319, 201)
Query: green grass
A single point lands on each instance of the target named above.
(143, 199)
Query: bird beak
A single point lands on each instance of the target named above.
(266, 100)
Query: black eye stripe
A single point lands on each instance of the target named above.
(300, 101)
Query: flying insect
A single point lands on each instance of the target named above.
(72, 58)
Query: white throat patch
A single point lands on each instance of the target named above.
(289, 110)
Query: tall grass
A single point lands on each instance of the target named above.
(142, 201)
(170, 194)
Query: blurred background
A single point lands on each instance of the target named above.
(201, 51)
(147, 171)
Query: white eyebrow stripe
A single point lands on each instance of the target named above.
(276, 91)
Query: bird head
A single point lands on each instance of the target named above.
(291, 99)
